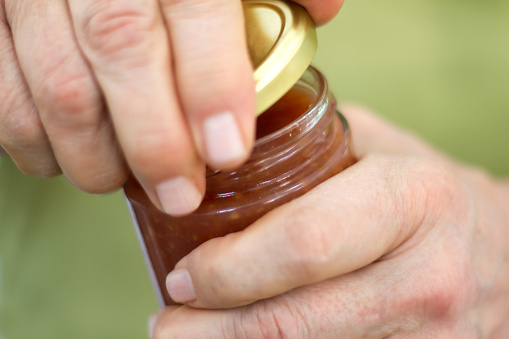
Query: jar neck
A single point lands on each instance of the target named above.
(307, 125)
(296, 139)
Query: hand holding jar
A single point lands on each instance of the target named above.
(92, 88)
(405, 243)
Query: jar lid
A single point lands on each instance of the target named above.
(282, 42)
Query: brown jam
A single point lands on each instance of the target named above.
(301, 142)
(288, 109)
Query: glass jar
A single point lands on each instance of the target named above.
(301, 141)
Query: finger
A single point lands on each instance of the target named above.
(127, 46)
(325, 310)
(214, 76)
(321, 11)
(21, 133)
(320, 235)
(280, 317)
(69, 101)
(374, 302)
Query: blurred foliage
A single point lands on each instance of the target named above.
(70, 265)
(439, 68)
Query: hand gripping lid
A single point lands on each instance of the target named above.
(282, 42)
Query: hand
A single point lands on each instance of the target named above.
(404, 244)
(90, 88)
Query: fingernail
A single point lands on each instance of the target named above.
(151, 323)
(223, 141)
(178, 196)
(180, 286)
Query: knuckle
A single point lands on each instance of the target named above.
(44, 168)
(218, 66)
(156, 148)
(100, 180)
(268, 320)
(447, 296)
(12, 12)
(226, 78)
(441, 302)
(228, 68)
(115, 31)
(444, 289)
(222, 289)
(421, 191)
(433, 173)
(23, 136)
(309, 244)
(435, 188)
(69, 99)
(22, 129)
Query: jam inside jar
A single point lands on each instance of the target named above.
(301, 141)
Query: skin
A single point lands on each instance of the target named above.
(436, 266)
(95, 88)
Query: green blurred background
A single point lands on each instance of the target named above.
(70, 265)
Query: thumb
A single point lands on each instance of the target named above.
(342, 225)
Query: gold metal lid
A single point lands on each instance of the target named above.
(282, 42)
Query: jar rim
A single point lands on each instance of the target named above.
(307, 120)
